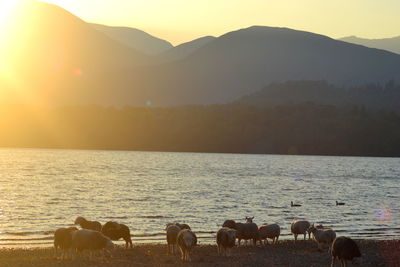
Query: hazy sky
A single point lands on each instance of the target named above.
(182, 20)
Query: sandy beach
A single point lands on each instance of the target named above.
(286, 253)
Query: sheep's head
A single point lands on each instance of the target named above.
(183, 226)
(249, 219)
(312, 229)
(79, 220)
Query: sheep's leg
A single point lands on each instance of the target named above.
(188, 256)
(182, 254)
(333, 261)
(239, 242)
(295, 238)
(344, 263)
(305, 235)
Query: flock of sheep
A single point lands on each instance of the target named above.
(93, 237)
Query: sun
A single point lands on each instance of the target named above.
(6, 8)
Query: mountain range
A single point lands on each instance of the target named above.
(389, 44)
(59, 59)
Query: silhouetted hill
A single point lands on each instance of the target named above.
(372, 96)
(60, 59)
(239, 62)
(136, 39)
(183, 50)
(53, 53)
(389, 44)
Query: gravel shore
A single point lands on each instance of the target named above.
(286, 253)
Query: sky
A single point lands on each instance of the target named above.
(183, 20)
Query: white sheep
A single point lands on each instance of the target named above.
(186, 240)
(63, 240)
(300, 227)
(323, 236)
(86, 239)
(172, 234)
(271, 231)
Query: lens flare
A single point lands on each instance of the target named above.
(383, 214)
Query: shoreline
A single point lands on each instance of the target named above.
(285, 253)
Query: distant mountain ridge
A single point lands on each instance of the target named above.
(183, 50)
(389, 44)
(69, 62)
(136, 39)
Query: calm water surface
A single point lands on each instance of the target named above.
(41, 190)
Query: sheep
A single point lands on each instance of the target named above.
(248, 230)
(230, 224)
(186, 240)
(323, 236)
(225, 240)
(85, 224)
(340, 203)
(63, 240)
(319, 226)
(115, 231)
(86, 239)
(300, 227)
(271, 231)
(172, 234)
(344, 249)
(180, 225)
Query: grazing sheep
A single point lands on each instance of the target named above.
(271, 231)
(246, 231)
(180, 225)
(63, 240)
(186, 240)
(115, 231)
(86, 239)
(172, 234)
(300, 227)
(225, 240)
(85, 224)
(319, 226)
(323, 236)
(230, 224)
(344, 249)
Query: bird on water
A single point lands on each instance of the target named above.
(294, 205)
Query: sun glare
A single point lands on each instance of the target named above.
(6, 7)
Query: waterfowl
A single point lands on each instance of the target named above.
(340, 203)
(294, 205)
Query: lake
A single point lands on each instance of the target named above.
(42, 190)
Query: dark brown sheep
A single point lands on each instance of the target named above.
(225, 240)
(230, 224)
(63, 240)
(344, 249)
(85, 224)
(116, 231)
(186, 240)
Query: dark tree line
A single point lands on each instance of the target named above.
(305, 128)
